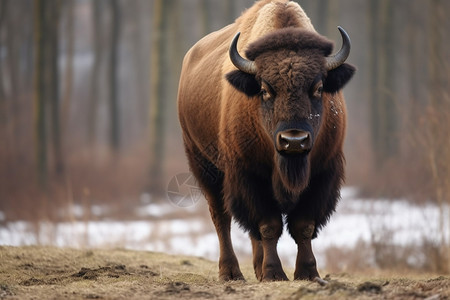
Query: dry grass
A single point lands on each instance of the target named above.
(52, 273)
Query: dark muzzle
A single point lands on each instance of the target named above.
(293, 141)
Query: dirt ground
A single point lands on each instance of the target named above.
(56, 273)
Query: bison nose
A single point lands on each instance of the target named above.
(293, 141)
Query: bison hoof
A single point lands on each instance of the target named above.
(306, 274)
(258, 273)
(274, 274)
(231, 275)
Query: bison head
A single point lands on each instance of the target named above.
(288, 71)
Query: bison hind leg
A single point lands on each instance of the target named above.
(210, 179)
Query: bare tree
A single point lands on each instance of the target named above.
(69, 71)
(53, 84)
(205, 16)
(158, 101)
(12, 41)
(46, 82)
(40, 91)
(3, 8)
(114, 136)
(438, 146)
(230, 10)
(138, 11)
(97, 41)
(381, 66)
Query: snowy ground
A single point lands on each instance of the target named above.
(356, 220)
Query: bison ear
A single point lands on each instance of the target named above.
(244, 82)
(337, 78)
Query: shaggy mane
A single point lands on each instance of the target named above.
(290, 39)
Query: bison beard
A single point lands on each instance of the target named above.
(290, 178)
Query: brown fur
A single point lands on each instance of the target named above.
(228, 131)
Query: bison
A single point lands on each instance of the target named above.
(263, 134)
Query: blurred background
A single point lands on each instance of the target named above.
(89, 130)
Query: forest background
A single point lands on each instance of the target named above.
(88, 98)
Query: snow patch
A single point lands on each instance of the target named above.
(355, 220)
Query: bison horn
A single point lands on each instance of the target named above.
(241, 63)
(339, 58)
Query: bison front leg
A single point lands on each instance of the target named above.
(302, 232)
(258, 256)
(228, 263)
(270, 231)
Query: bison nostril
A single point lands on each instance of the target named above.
(293, 141)
(283, 143)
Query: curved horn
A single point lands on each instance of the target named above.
(241, 63)
(339, 58)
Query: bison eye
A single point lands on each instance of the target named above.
(266, 93)
(317, 91)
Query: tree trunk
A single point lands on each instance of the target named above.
(46, 81)
(12, 46)
(206, 20)
(114, 136)
(230, 11)
(3, 8)
(413, 54)
(382, 82)
(373, 56)
(322, 16)
(439, 145)
(436, 57)
(68, 76)
(137, 9)
(158, 102)
(388, 116)
(6, 124)
(97, 41)
(40, 138)
(52, 54)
